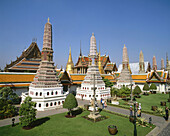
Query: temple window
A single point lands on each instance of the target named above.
(36, 93)
(40, 93)
(96, 95)
(47, 93)
(59, 103)
(62, 102)
(55, 103)
(46, 104)
(51, 104)
(56, 92)
(40, 105)
(89, 95)
(51, 93)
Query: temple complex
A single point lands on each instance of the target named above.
(46, 89)
(125, 75)
(21, 74)
(93, 78)
(27, 62)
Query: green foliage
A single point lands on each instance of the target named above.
(160, 111)
(114, 91)
(7, 93)
(142, 122)
(108, 83)
(137, 90)
(124, 91)
(70, 102)
(27, 112)
(153, 87)
(146, 87)
(6, 100)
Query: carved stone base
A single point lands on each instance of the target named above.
(94, 115)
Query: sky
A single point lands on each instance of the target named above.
(139, 24)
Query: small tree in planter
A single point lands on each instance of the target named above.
(70, 103)
(27, 112)
(137, 90)
(153, 87)
(146, 87)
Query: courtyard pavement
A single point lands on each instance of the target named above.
(162, 126)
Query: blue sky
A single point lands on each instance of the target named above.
(140, 24)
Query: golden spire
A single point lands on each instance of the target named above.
(99, 64)
(70, 58)
(70, 64)
(48, 20)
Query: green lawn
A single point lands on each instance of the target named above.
(148, 101)
(58, 125)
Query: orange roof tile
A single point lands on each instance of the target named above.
(16, 78)
(139, 77)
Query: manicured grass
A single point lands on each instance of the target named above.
(148, 101)
(58, 125)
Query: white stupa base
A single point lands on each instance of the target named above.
(46, 98)
(88, 94)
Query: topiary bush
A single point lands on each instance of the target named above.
(70, 103)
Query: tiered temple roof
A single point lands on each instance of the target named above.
(27, 62)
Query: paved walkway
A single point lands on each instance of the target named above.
(162, 126)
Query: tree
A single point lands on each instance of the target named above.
(7, 93)
(114, 91)
(70, 103)
(146, 87)
(107, 83)
(27, 112)
(153, 87)
(7, 97)
(137, 90)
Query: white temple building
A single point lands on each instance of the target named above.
(93, 78)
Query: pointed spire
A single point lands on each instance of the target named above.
(48, 20)
(154, 65)
(93, 48)
(162, 64)
(166, 60)
(70, 57)
(125, 55)
(47, 39)
(141, 58)
(99, 63)
(70, 64)
(80, 49)
(141, 63)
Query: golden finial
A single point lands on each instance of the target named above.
(124, 45)
(48, 20)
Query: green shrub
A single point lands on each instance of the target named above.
(70, 102)
(27, 112)
(137, 90)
